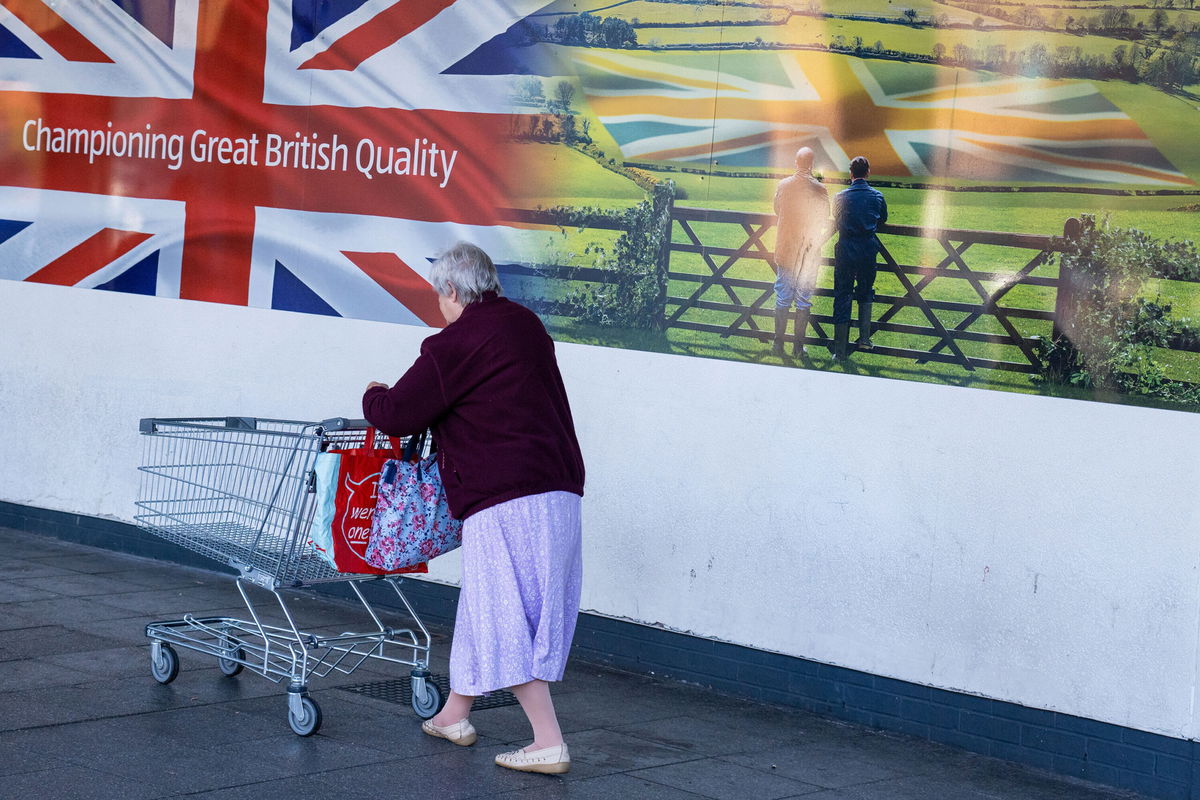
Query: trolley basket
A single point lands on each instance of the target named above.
(241, 490)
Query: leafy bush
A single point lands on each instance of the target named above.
(1110, 331)
(634, 294)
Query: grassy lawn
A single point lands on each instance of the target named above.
(1189, 15)
(1170, 121)
(1008, 211)
(1018, 213)
(553, 175)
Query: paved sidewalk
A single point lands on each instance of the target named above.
(80, 717)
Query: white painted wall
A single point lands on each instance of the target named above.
(1039, 551)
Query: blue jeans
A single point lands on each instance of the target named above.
(794, 287)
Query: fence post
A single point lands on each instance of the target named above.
(1063, 353)
(663, 201)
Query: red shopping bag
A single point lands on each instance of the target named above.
(354, 508)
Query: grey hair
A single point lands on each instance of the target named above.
(466, 269)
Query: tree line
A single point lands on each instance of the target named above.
(1115, 21)
(1165, 69)
(587, 30)
(556, 122)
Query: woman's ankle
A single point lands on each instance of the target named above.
(438, 720)
(542, 745)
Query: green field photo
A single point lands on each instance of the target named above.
(714, 99)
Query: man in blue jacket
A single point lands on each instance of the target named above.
(858, 212)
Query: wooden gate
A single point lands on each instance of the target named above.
(741, 302)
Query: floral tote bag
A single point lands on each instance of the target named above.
(412, 521)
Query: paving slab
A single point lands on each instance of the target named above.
(77, 783)
(606, 787)
(36, 547)
(18, 754)
(151, 577)
(701, 736)
(95, 562)
(20, 590)
(453, 774)
(303, 787)
(833, 765)
(47, 640)
(75, 584)
(129, 627)
(66, 611)
(619, 752)
(128, 661)
(723, 781)
(84, 719)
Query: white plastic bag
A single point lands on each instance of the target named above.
(321, 533)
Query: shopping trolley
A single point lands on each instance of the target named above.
(242, 491)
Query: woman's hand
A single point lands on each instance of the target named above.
(373, 384)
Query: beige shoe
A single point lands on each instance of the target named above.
(549, 760)
(460, 733)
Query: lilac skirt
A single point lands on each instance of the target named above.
(522, 569)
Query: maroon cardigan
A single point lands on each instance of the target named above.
(489, 387)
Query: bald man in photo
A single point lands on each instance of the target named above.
(802, 209)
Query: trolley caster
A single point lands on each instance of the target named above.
(427, 698)
(304, 715)
(232, 664)
(164, 662)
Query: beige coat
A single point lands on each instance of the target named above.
(802, 206)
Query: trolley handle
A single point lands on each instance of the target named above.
(343, 424)
(150, 424)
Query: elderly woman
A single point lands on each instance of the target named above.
(489, 387)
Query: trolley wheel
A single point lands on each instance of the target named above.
(165, 668)
(428, 703)
(309, 720)
(233, 664)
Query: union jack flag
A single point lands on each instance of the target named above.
(222, 222)
(680, 107)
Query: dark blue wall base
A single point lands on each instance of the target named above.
(1159, 766)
